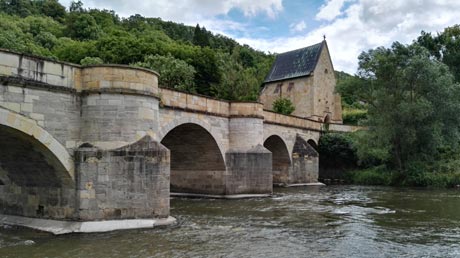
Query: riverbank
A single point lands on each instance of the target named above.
(384, 177)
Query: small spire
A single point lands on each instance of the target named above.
(324, 36)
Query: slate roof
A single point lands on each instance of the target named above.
(295, 63)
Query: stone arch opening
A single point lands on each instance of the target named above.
(281, 161)
(313, 144)
(34, 181)
(305, 161)
(197, 164)
(327, 119)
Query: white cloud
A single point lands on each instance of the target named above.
(186, 10)
(330, 10)
(298, 27)
(191, 12)
(367, 24)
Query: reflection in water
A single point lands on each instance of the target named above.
(334, 221)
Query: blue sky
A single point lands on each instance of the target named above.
(351, 26)
(297, 15)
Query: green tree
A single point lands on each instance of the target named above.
(206, 65)
(174, 73)
(82, 26)
(14, 36)
(52, 8)
(445, 47)
(21, 8)
(200, 37)
(73, 51)
(283, 106)
(91, 61)
(76, 7)
(121, 48)
(412, 101)
(237, 82)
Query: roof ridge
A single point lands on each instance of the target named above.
(295, 63)
(301, 48)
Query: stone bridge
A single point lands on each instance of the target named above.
(100, 143)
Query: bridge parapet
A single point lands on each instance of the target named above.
(191, 102)
(292, 121)
(345, 128)
(246, 109)
(119, 78)
(38, 69)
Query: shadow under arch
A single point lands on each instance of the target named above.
(197, 164)
(33, 179)
(281, 160)
(313, 144)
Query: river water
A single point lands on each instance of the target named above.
(332, 221)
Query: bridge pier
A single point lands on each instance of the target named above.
(305, 163)
(130, 182)
(249, 163)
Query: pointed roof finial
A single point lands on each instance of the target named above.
(324, 36)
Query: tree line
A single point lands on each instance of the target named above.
(188, 58)
(411, 94)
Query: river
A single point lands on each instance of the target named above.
(332, 221)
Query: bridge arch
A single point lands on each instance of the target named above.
(313, 144)
(36, 172)
(197, 163)
(281, 158)
(19, 124)
(164, 130)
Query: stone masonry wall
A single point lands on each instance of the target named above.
(249, 172)
(298, 90)
(58, 112)
(111, 120)
(124, 183)
(325, 96)
(305, 163)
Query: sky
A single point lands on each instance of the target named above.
(276, 26)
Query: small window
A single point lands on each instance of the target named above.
(290, 87)
(278, 88)
(326, 71)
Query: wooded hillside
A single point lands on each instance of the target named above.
(188, 58)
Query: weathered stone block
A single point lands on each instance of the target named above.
(249, 172)
(119, 181)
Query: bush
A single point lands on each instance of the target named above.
(283, 106)
(353, 116)
(371, 176)
(337, 150)
(432, 179)
(91, 61)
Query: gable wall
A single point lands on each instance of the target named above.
(301, 95)
(326, 100)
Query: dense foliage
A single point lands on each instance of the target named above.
(283, 106)
(411, 94)
(354, 109)
(337, 150)
(214, 64)
(411, 100)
